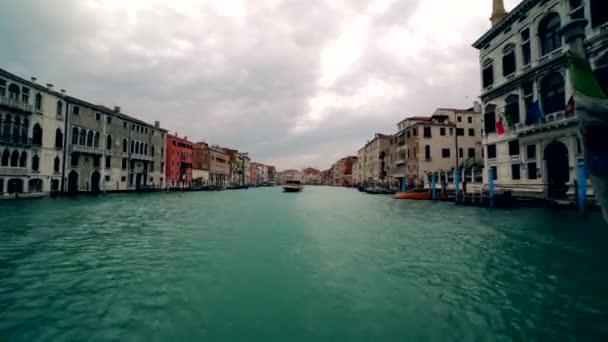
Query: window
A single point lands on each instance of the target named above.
(124, 163)
(90, 139)
(488, 74)
(515, 172)
(407, 134)
(152, 150)
(512, 109)
(75, 110)
(459, 118)
(2, 88)
(37, 135)
(445, 153)
(96, 161)
(35, 163)
(98, 116)
(471, 132)
(56, 164)
(531, 151)
(460, 132)
(59, 138)
(494, 172)
(427, 132)
(491, 151)
(132, 146)
(22, 160)
(109, 119)
(528, 89)
(25, 95)
(552, 93)
(13, 92)
(514, 148)
(451, 131)
(38, 102)
(442, 131)
(109, 142)
(74, 159)
(508, 60)
(96, 140)
(123, 178)
(107, 178)
(549, 33)
(526, 54)
(132, 127)
(471, 153)
(152, 167)
(489, 122)
(74, 136)
(162, 167)
(124, 124)
(599, 15)
(415, 132)
(108, 162)
(427, 152)
(532, 171)
(470, 119)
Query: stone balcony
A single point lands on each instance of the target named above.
(89, 150)
(137, 156)
(16, 104)
(19, 141)
(547, 122)
(14, 171)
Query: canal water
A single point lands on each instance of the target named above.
(327, 264)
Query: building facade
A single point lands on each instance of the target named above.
(372, 160)
(346, 166)
(530, 141)
(179, 155)
(311, 176)
(291, 175)
(215, 161)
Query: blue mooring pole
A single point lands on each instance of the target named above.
(433, 182)
(582, 186)
(404, 184)
(491, 187)
(456, 184)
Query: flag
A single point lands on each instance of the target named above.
(569, 107)
(509, 120)
(534, 113)
(500, 128)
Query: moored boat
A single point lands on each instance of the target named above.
(292, 186)
(417, 194)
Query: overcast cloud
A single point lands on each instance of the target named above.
(295, 83)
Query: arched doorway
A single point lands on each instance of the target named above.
(73, 182)
(558, 170)
(34, 185)
(95, 178)
(14, 185)
(55, 185)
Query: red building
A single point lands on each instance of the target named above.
(345, 167)
(253, 173)
(178, 168)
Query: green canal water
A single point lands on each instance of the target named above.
(327, 264)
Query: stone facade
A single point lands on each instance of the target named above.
(372, 159)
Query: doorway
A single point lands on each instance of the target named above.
(558, 170)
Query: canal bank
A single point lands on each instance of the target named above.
(325, 264)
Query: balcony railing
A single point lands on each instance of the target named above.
(400, 161)
(141, 157)
(14, 171)
(16, 104)
(22, 141)
(547, 122)
(86, 149)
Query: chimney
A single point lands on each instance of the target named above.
(156, 124)
(33, 79)
(49, 86)
(116, 109)
(498, 11)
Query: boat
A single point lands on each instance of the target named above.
(292, 186)
(30, 195)
(416, 194)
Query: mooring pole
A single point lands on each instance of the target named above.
(456, 184)
(582, 187)
(433, 181)
(491, 186)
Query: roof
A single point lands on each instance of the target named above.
(497, 29)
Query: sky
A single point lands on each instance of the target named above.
(295, 83)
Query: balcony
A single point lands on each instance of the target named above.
(547, 122)
(86, 149)
(19, 141)
(14, 171)
(400, 161)
(16, 104)
(141, 157)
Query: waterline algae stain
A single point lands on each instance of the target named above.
(327, 264)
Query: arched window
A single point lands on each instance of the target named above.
(83, 137)
(90, 139)
(132, 146)
(56, 164)
(37, 135)
(145, 149)
(24, 128)
(35, 163)
(5, 157)
(152, 150)
(549, 32)
(96, 139)
(16, 128)
(23, 159)
(137, 147)
(59, 138)
(508, 59)
(59, 108)
(552, 93)
(109, 142)
(125, 144)
(13, 92)
(15, 159)
(38, 103)
(427, 152)
(74, 136)
(6, 132)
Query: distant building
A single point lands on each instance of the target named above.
(345, 170)
(290, 175)
(523, 67)
(272, 174)
(213, 160)
(372, 159)
(179, 161)
(311, 176)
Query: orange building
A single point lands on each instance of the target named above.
(179, 161)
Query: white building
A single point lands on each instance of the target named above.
(32, 136)
(523, 60)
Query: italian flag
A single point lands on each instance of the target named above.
(590, 106)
